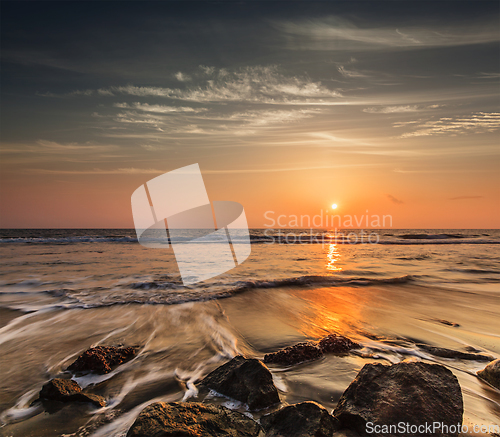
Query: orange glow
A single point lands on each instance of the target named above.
(331, 310)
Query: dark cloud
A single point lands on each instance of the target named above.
(394, 200)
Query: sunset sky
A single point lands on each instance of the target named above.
(390, 107)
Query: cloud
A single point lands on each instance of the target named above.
(350, 73)
(335, 33)
(249, 84)
(133, 170)
(267, 117)
(391, 109)
(399, 109)
(162, 109)
(488, 76)
(394, 200)
(479, 122)
(67, 147)
(181, 77)
(466, 197)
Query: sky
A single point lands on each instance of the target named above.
(383, 108)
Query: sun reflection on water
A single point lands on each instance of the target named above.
(332, 258)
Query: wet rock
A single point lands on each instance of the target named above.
(448, 323)
(491, 373)
(191, 419)
(102, 359)
(337, 344)
(67, 390)
(297, 353)
(450, 353)
(310, 350)
(307, 419)
(410, 392)
(245, 379)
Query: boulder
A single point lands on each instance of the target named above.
(245, 379)
(307, 419)
(295, 354)
(410, 392)
(491, 373)
(337, 344)
(311, 350)
(453, 354)
(102, 359)
(67, 390)
(192, 419)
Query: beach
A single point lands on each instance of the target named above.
(65, 291)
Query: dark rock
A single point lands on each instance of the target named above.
(450, 353)
(67, 390)
(310, 350)
(337, 344)
(246, 380)
(448, 323)
(307, 419)
(297, 353)
(491, 373)
(409, 392)
(102, 359)
(191, 419)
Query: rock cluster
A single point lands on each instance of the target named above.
(310, 350)
(411, 392)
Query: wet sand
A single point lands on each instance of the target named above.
(182, 343)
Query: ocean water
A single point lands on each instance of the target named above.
(63, 291)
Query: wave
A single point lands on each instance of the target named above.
(287, 239)
(172, 293)
(69, 240)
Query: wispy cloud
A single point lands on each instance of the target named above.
(479, 122)
(334, 33)
(133, 170)
(394, 199)
(259, 84)
(158, 108)
(399, 108)
(182, 77)
(350, 73)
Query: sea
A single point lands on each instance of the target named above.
(63, 291)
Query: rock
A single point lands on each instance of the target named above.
(102, 359)
(67, 390)
(310, 350)
(297, 353)
(245, 379)
(307, 419)
(491, 373)
(192, 419)
(450, 353)
(409, 392)
(337, 344)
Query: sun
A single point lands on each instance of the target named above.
(334, 206)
